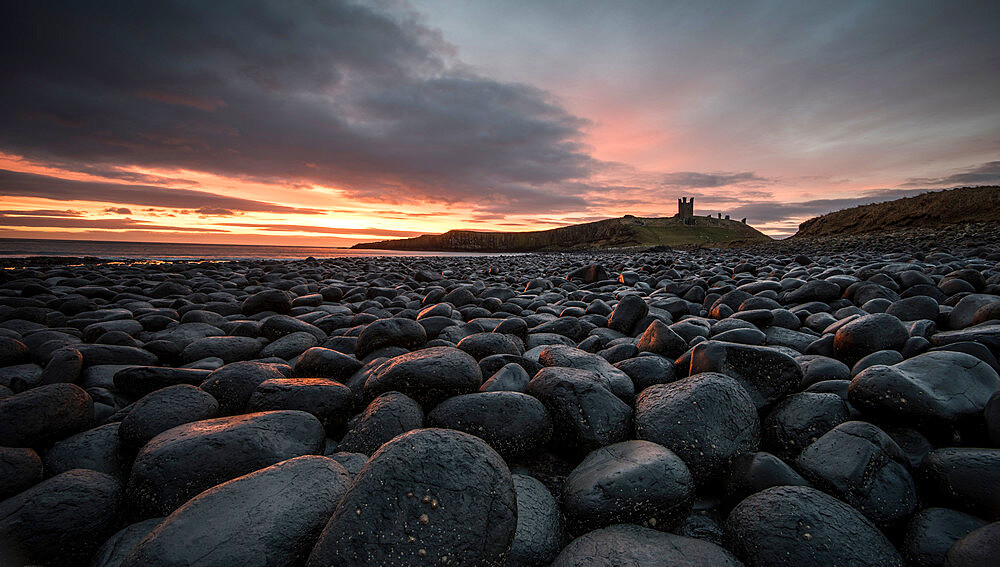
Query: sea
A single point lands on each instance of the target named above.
(22, 247)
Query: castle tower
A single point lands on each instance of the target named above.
(685, 210)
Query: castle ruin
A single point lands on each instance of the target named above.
(685, 210)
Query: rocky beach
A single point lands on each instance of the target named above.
(824, 401)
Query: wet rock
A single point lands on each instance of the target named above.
(585, 414)
(869, 334)
(614, 379)
(860, 464)
(752, 472)
(932, 387)
(396, 332)
(429, 376)
(765, 374)
(233, 384)
(458, 506)
(979, 547)
(539, 534)
(95, 449)
(388, 415)
(818, 368)
(181, 462)
(164, 409)
(59, 521)
(659, 338)
(137, 381)
(512, 423)
(481, 345)
(319, 362)
(44, 414)
(635, 481)
(329, 401)
(289, 346)
(629, 311)
(932, 531)
(274, 300)
(800, 419)
(269, 517)
(962, 478)
(20, 468)
(706, 419)
(797, 525)
(229, 349)
(510, 378)
(646, 371)
(627, 544)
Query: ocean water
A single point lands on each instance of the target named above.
(20, 247)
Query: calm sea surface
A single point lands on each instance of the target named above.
(18, 247)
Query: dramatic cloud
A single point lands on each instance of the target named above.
(772, 211)
(359, 98)
(692, 180)
(42, 213)
(324, 229)
(985, 174)
(17, 184)
(102, 224)
(118, 210)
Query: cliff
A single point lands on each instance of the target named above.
(624, 232)
(938, 208)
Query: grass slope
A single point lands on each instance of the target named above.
(624, 232)
(952, 206)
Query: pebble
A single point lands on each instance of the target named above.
(831, 401)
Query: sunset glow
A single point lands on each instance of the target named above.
(356, 122)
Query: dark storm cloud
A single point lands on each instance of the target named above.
(42, 213)
(18, 184)
(101, 224)
(331, 93)
(118, 210)
(693, 180)
(985, 174)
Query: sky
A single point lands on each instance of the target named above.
(333, 122)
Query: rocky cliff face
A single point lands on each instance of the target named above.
(939, 208)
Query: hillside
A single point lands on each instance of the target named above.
(938, 208)
(624, 232)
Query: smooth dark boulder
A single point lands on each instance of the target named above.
(510, 378)
(629, 311)
(585, 414)
(270, 517)
(117, 547)
(766, 374)
(962, 478)
(20, 468)
(659, 338)
(387, 416)
(94, 354)
(164, 409)
(96, 449)
(512, 423)
(630, 545)
(233, 384)
(137, 381)
(331, 402)
(800, 419)
(457, 507)
(646, 371)
(44, 414)
(228, 348)
(861, 465)
(319, 362)
(978, 548)
(569, 357)
(935, 387)
(394, 332)
(429, 376)
(792, 526)
(481, 345)
(752, 472)
(539, 534)
(181, 462)
(868, 334)
(634, 481)
(706, 419)
(60, 521)
(931, 532)
(274, 300)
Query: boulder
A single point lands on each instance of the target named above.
(44, 414)
(512, 423)
(631, 545)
